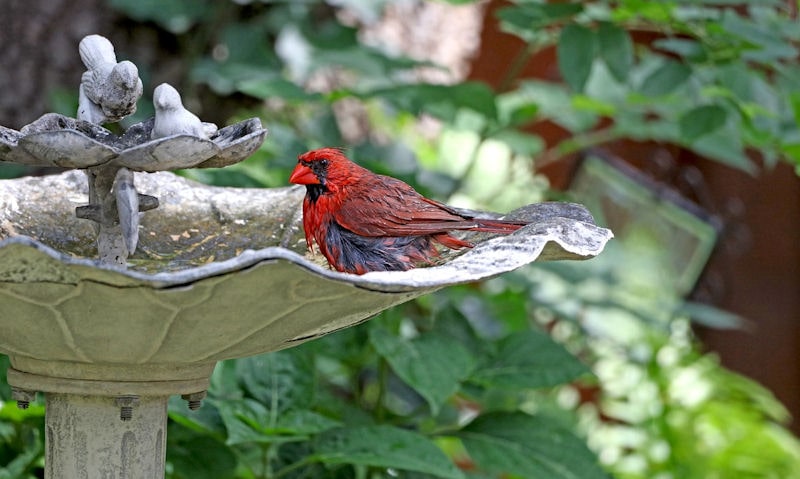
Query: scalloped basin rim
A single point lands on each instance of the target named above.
(579, 240)
(92, 321)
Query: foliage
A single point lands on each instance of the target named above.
(469, 382)
(21, 434)
(663, 409)
(397, 394)
(716, 77)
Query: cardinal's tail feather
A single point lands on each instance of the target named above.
(451, 241)
(497, 226)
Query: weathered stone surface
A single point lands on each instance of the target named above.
(219, 273)
(58, 140)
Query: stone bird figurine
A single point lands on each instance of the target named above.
(173, 119)
(109, 90)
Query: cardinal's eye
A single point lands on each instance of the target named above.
(323, 163)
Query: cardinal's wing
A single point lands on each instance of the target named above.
(385, 206)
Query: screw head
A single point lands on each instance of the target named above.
(194, 400)
(23, 397)
(126, 405)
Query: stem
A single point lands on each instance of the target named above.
(521, 59)
(575, 144)
(266, 471)
(379, 412)
(292, 467)
(273, 412)
(517, 64)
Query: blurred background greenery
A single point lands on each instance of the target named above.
(558, 370)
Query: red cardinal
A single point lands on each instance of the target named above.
(364, 222)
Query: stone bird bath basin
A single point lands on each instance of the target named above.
(219, 273)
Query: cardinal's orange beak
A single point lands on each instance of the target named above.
(302, 175)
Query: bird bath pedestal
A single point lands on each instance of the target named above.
(206, 274)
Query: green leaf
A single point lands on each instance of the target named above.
(22, 463)
(441, 101)
(302, 421)
(794, 101)
(594, 105)
(636, 11)
(666, 78)
(515, 108)
(367, 62)
(792, 150)
(576, 51)
(242, 421)
(225, 382)
(275, 88)
(763, 43)
(616, 50)
(249, 421)
(721, 146)
(177, 16)
(246, 47)
(529, 359)
(528, 446)
(523, 114)
(701, 121)
(520, 142)
(530, 16)
(205, 420)
(431, 364)
(709, 316)
(556, 104)
(281, 380)
(199, 457)
(384, 446)
(689, 49)
(327, 35)
(475, 96)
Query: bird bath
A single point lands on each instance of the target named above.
(206, 274)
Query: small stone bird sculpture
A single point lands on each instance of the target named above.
(109, 90)
(173, 119)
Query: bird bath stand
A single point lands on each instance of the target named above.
(206, 274)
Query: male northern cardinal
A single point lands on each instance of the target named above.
(363, 221)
